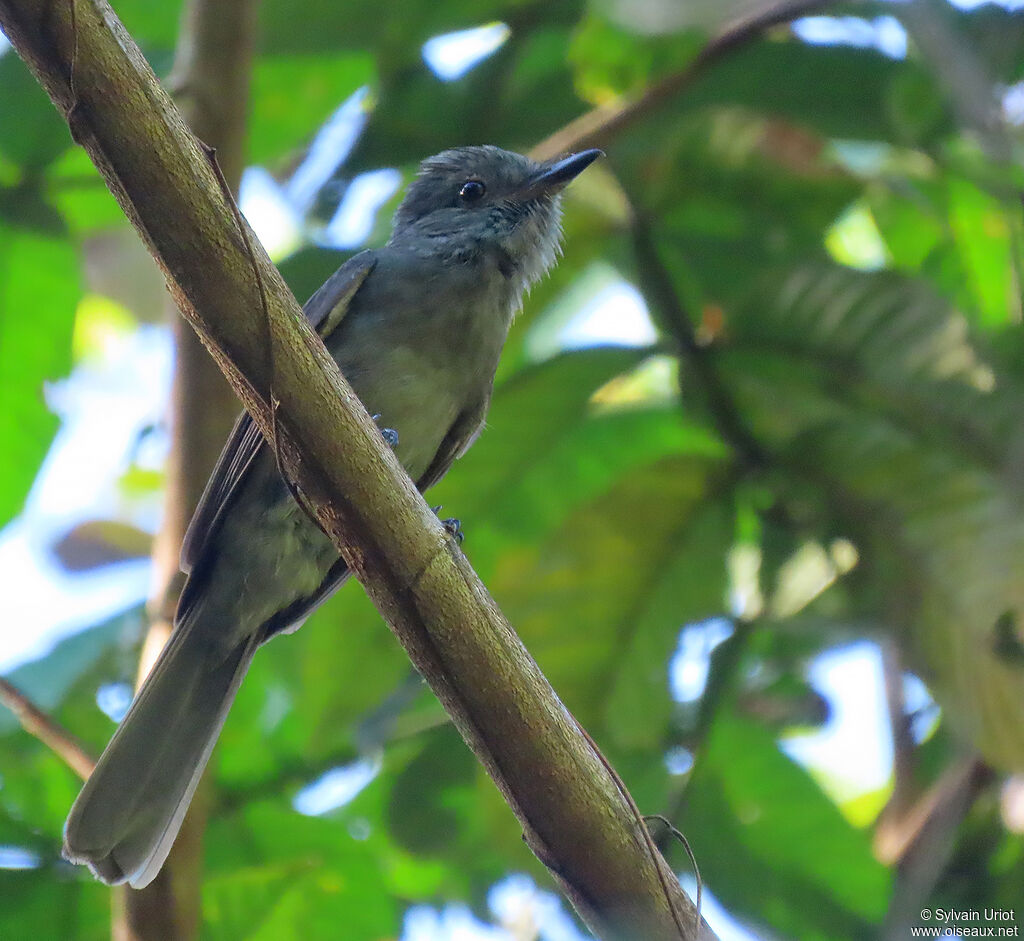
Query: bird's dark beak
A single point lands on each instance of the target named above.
(553, 177)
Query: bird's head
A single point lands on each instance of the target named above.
(485, 204)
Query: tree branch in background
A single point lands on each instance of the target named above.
(210, 81)
(916, 832)
(923, 841)
(655, 283)
(597, 128)
(570, 808)
(39, 725)
(889, 846)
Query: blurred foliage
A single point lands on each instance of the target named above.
(843, 238)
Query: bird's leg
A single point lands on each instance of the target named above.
(452, 525)
(388, 434)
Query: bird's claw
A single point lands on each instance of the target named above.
(388, 434)
(452, 525)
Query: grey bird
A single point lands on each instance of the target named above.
(417, 328)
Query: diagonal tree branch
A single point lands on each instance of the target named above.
(924, 840)
(573, 815)
(43, 727)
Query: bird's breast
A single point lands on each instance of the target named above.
(416, 395)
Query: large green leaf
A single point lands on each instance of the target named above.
(32, 134)
(772, 846)
(49, 680)
(870, 387)
(293, 95)
(326, 880)
(606, 584)
(38, 292)
(841, 92)
(50, 907)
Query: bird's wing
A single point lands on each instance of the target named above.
(325, 310)
(460, 436)
(464, 431)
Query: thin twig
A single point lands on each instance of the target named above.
(598, 127)
(54, 736)
(678, 834)
(272, 401)
(71, 115)
(652, 848)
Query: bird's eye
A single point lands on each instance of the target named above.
(471, 191)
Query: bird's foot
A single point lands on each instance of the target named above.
(388, 434)
(452, 525)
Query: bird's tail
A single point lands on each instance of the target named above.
(130, 810)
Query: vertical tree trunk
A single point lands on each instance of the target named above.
(210, 81)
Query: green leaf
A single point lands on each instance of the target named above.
(688, 584)
(358, 24)
(428, 802)
(38, 292)
(755, 818)
(511, 99)
(48, 680)
(33, 134)
(982, 232)
(298, 902)
(530, 415)
(306, 693)
(585, 597)
(292, 96)
(853, 103)
(874, 391)
(46, 905)
(81, 196)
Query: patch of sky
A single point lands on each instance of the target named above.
(452, 55)
(102, 406)
(884, 33)
(336, 787)
(5, 43)
(277, 211)
(865, 158)
(451, 923)
(17, 857)
(599, 308)
(1013, 104)
(518, 904)
(519, 908)
(852, 753)
(974, 4)
(615, 316)
(114, 699)
(354, 218)
(330, 148)
(715, 914)
(274, 219)
(522, 910)
(924, 712)
(678, 760)
(688, 668)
